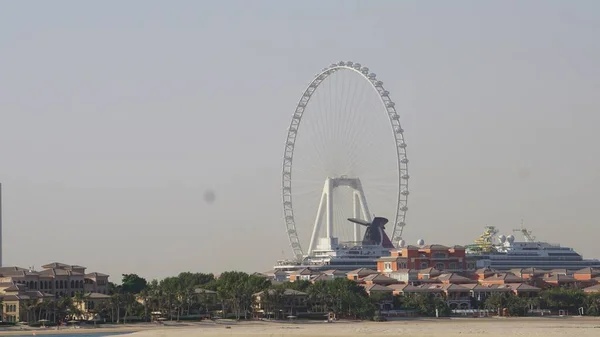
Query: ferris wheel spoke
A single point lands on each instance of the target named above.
(346, 111)
(364, 145)
(357, 121)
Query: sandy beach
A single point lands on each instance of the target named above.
(489, 327)
(127, 328)
(492, 327)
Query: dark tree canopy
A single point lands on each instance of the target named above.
(133, 284)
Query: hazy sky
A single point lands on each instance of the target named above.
(117, 116)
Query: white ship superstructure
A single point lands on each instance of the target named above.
(342, 256)
(331, 254)
(504, 253)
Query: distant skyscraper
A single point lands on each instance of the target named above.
(1, 225)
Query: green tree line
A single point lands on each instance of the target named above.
(194, 295)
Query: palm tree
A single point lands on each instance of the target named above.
(180, 299)
(317, 294)
(203, 299)
(64, 308)
(41, 306)
(103, 308)
(30, 307)
(190, 298)
(533, 302)
(128, 301)
(169, 298)
(144, 295)
(80, 303)
(51, 309)
(116, 301)
(273, 300)
(593, 304)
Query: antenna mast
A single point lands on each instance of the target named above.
(1, 225)
(527, 234)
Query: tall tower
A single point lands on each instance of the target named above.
(1, 225)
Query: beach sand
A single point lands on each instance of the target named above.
(489, 327)
(26, 331)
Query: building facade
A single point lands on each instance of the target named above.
(448, 259)
(22, 288)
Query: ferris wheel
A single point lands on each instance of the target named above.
(344, 146)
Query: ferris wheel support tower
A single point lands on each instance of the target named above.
(326, 205)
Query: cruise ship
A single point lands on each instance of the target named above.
(505, 253)
(345, 256)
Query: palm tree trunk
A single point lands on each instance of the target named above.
(145, 309)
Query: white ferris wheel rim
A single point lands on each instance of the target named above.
(402, 161)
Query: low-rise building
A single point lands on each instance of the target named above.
(360, 273)
(304, 274)
(448, 259)
(502, 278)
(279, 303)
(22, 289)
(90, 304)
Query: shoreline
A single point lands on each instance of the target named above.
(418, 327)
(69, 331)
(124, 329)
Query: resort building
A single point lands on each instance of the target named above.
(58, 279)
(22, 289)
(90, 304)
(266, 303)
(442, 258)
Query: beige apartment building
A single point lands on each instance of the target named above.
(21, 287)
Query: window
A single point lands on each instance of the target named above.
(452, 265)
(424, 265)
(440, 266)
(439, 255)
